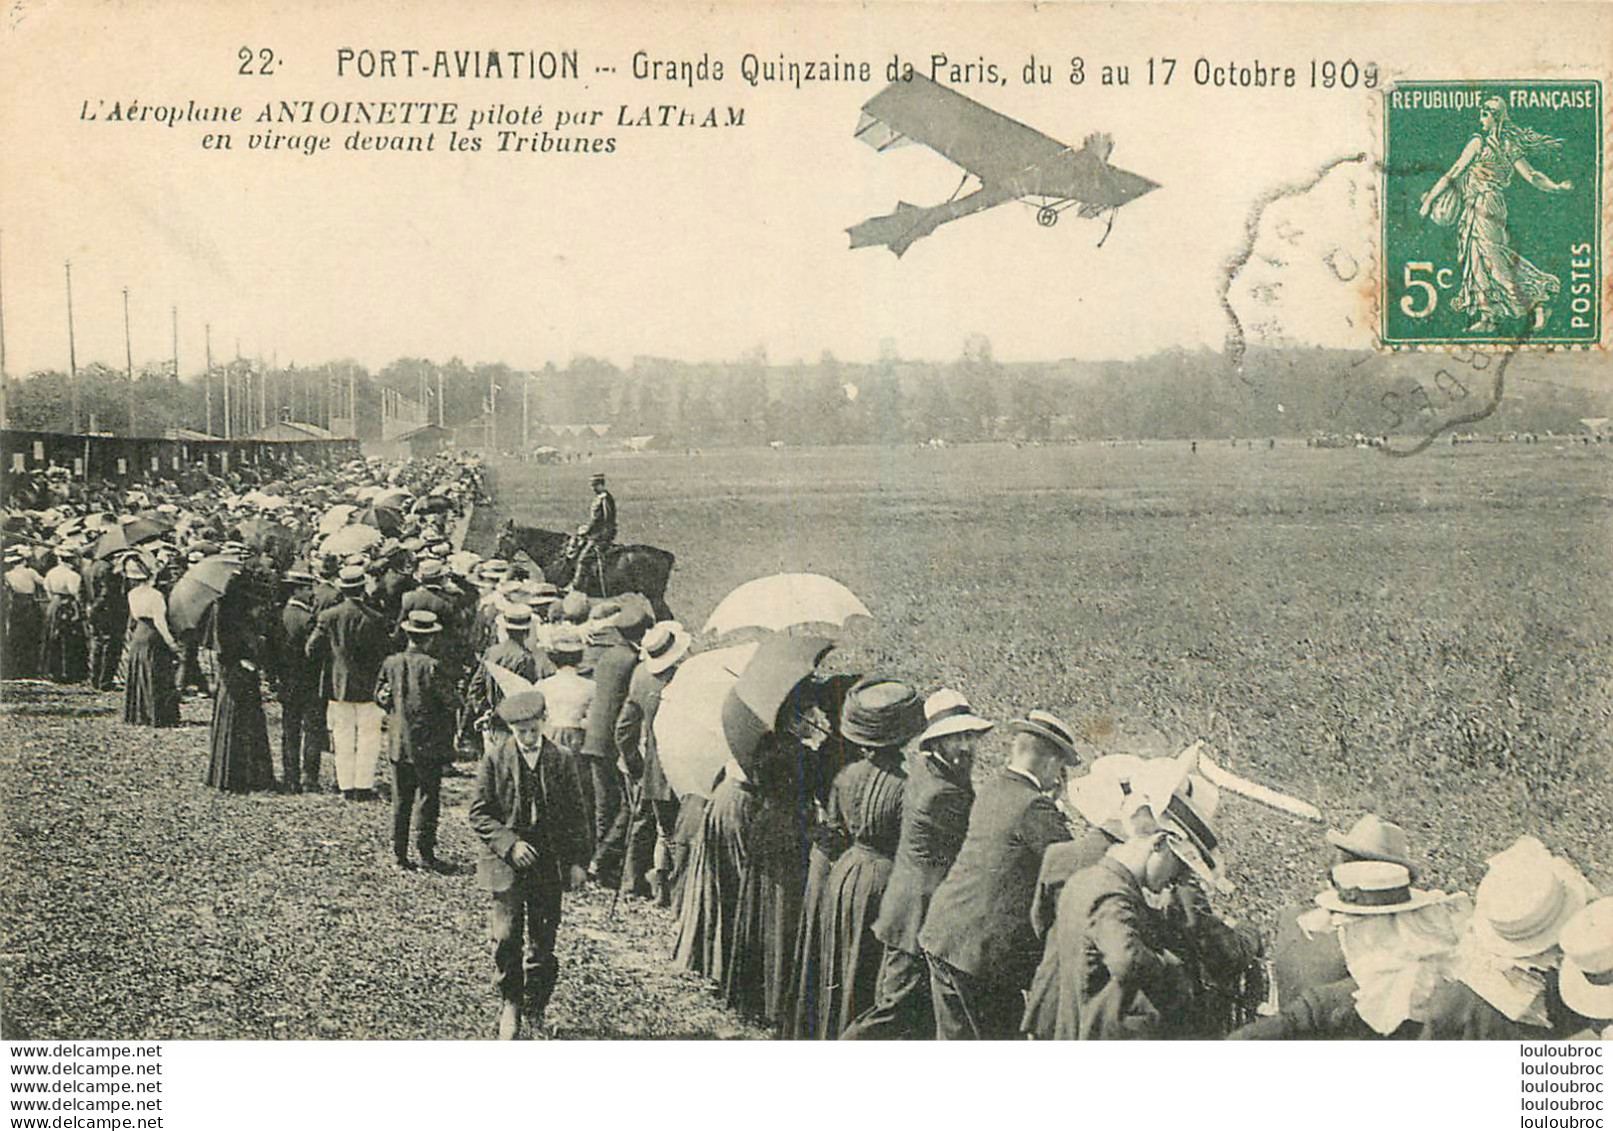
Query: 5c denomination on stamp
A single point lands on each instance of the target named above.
(1492, 202)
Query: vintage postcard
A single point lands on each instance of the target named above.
(806, 521)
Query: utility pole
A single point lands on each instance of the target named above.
(128, 358)
(439, 398)
(207, 381)
(526, 411)
(5, 384)
(492, 413)
(72, 349)
(352, 399)
(229, 417)
(174, 312)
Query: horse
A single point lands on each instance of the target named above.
(627, 569)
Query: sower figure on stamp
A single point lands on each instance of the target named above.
(527, 810)
(1497, 282)
(596, 535)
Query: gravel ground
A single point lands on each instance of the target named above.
(139, 903)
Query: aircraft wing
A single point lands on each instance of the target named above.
(977, 139)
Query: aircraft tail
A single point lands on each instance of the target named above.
(896, 231)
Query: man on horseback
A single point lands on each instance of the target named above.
(595, 536)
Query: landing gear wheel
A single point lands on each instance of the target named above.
(1047, 216)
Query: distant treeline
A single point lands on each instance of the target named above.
(1171, 394)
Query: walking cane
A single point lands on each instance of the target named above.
(637, 796)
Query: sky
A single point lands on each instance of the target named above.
(695, 244)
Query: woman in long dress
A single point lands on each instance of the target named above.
(64, 651)
(706, 916)
(24, 590)
(1497, 282)
(150, 697)
(241, 761)
(840, 957)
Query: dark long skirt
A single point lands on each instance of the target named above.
(759, 980)
(25, 627)
(800, 1012)
(845, 956)
(65, 655)
(711, 889)
(241, 761)
(149, 695)
(691, 817)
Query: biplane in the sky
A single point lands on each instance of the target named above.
(1009, 159)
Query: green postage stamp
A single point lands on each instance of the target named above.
(1492, 203)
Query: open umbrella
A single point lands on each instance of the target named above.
(394, 498)
(336, 518)
(194, 593)
(689, 737)
(385, 519)
(122, 536)
(784, 600)
(351, 539)
(751, 708)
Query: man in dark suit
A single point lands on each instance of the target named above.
(977, 936)
(302, 710)
(654, 814)
(350, 639)
(613, 644)
(527, 810)
(935, 816)
(415, 690)
(106, 617)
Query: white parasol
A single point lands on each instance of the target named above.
(785, 600)
(689, 737)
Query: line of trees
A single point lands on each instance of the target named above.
(751, 400)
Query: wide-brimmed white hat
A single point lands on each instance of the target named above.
(1525, 900)
(1586, 980)
(1183, 805)
(1051, 729)
(1374, 887)
(948, 712)
(1103, 794)
(664, 645)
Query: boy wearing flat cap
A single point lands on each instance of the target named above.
(527, 810)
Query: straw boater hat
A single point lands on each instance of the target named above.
(564, 640)
(1374, 887)
(351, 577)
(1586, 981)
(1525, 900)
(1373, 838)
(881, 713)
(664, 646)
(421, 622)
(948, 712)
(1050, 728)
(430, 569)
(544, 594)
(514, 617)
